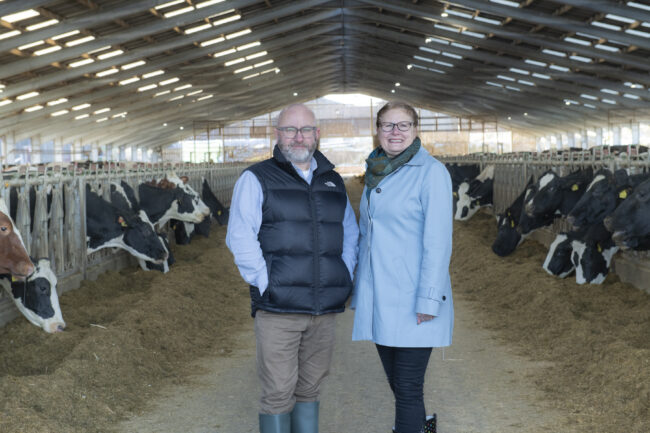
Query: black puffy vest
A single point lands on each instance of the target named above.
(302, 238)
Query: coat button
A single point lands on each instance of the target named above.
(444, 298)
(378, 190)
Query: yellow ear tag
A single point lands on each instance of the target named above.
(575, 187)
(512, 223)
(600, 249)
(13, 279)
(122, 222)
(6, 184)
(455, 194)
(218, 212)
(623, 194)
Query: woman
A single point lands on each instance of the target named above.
(402, 292)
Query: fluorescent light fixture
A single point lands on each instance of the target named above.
(516, 89)
(41, 25)
(183, 87)
(65, 35)
(587, 35)
(487, 20)
(527, 83)
(639, 5)
(226, 20)
(102, 110)
(179, 11)
(147, 87)
(609, 48)
(133, 65)
(506, 3)
(103, 119)
(80, 107)
(586, 96)
(276, 70)
(610, 91)
(491, 83)
(257, 74)
(82, 116)
(256, 55)
(553, 52)
(609, 101)
(57, 102)
(436, 70)
(197, 28)
(110, 54)
(448, 28)
(162, 93)
(122, 114)
(204, 97)
(79, 41)
(430, 50)
(577, 41)
(128, 81)
(505, 77)
(244, 69)
(416, 66)
(542, 76)
(176, 98)
(208, 3)
(440, 62)
(234, 62)
(5, 102)
(196, 92)
(81, 63)
(107, 72)
(27, 95)
(638, 33)
(474, 34)
(264, 63)
(107, 47)
(30, 45)
(633, 85)
(424, 59)
(33, 108)
(19, 16)
(436, 40)
(535, 62)
(459, 14)
(519, 71)
(9, 34)
(606, 26)
(247, 46)
(59, 113)
(168, 4)
(581, 59)
(620, 18)
(47, 50)
(559, 68)
(452, 55)
(631, 96)
(153, 73)
(238, 34)
(463, 46)
(212, 41)
(593, 107)
(169, 81)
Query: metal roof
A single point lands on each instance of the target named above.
(116, 71)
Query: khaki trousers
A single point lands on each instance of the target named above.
(294, 353)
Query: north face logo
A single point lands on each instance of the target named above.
(330, 184)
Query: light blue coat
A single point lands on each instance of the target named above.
(404, 253)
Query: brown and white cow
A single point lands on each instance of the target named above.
(14, 258)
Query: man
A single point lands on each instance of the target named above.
(293, 235)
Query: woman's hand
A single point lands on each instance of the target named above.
(424, 317)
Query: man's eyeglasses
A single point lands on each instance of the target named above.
(402, 126)
(292, 131)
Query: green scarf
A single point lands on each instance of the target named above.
(381, 165)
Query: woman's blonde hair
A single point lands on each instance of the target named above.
(391, 105)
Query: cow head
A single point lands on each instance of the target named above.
(182, 183)
(507, 235)
(600, 198)
(164, 266)
(592, 260)
(164, 200)
(558, 259)
(219, 211)
(630, 222)
(14, 259)
(474, 194)
(544, 197)
(36, 297)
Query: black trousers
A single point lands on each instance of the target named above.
(405, 368)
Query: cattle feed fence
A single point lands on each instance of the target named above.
(512, 171)
(56, 197)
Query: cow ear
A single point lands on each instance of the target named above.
(122, 222)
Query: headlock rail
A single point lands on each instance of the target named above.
(56, 197)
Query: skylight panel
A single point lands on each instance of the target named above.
(487, 20)
(505, 77)
(519, 71)
(606, 26)
(79, 41)
(238, 34)
(608, 48)
(19, 16)
(553, 52)
(65, 35)
(212, 41)
(639, 5)
(179, 11)
(430, 50)
(577, 41)
(10, 34)
(506, 3)
(463, 46)
(536, 63)
(424, 59)
(474, 34)
(559, 68)
(41, 25)
(452, 55)
(47, 50)
(620, 18)
(581, 59)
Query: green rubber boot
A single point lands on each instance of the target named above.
(275, 423)
(304, 417)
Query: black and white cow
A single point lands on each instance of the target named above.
(459, 174)
(219, 211)
(36, 297)
(508, 237)
(630, 222)
(592, 254)
(475, 194)
(185, 231)
(110, 226)
(553, 194)
(164, 266)
(167, 199)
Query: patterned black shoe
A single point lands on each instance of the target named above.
(430, 426)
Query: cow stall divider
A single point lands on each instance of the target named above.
(49, 205)
(513, 170)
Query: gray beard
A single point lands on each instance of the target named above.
(297, 156)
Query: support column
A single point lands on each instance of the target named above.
(616, 135)
(636, 133)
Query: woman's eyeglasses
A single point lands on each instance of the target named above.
(402, 126)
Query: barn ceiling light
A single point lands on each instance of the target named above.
(264, 63)
(27, 95)
(179, 11)
(169, 81)
(103, 119)
(606, 26)
(256, 55)
(559, 68)
(202, 98)
(247, 46)
(9, 34)
(506, 3)
(79, 41)
(80, 107)
(103, 110)
(59, 113)
(244, 69)
(197, 29)
(145, 88)
(226, 20)
(107, 72)
(162, 93)
(41, 25)
(295, 93)
(487, 20)
(122, 114)
(133, 65)
(208, 3)
(19, 16)
(183, 87)
(128, 81)
(234, 62)
(65, 35)
(81, 63)
(82, 116)
(5, 102)
(175, 98)
(212, 42)
(30, 45)
(110, 54)
(168, 4)
(257, 74)
(153, 73)
(57, 102)
(238, 34)
(33, 108)
(196, 92)
(48, 50)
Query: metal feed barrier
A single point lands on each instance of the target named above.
(60, 234)
(512, 171)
